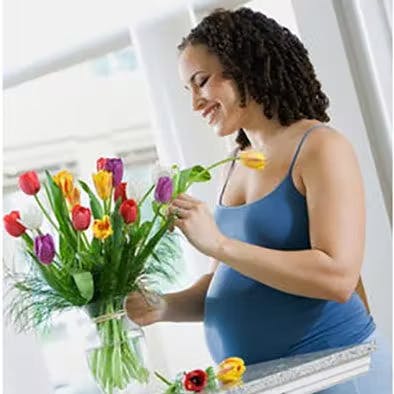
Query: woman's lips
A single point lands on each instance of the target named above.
(211, 112)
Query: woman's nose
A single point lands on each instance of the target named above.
(198, 102)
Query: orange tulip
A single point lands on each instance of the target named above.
(74, 198)
(64, 180)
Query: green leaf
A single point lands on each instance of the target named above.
(199, 174)
(28, 240)
(95, 205)
(175, 180)
(61, 211)
(213, 383)
(142, 231)
(188, 176)
(67, 253)
(155, 206)
(182, 181)
(84, 282)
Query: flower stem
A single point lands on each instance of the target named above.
(217, 164)
(163, 379)
(147, 234)
(45, 212)
(146, 195)
(110, 200)
(85, 240)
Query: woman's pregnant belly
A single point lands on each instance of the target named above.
(247, 319)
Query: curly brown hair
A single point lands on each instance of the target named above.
(268, 63)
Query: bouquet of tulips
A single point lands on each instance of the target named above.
(94, 255)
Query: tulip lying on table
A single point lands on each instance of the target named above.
(230, 371)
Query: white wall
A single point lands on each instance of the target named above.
(322, 38)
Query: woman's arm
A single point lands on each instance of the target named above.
(188, 305)
(335, 200)
(183, 306)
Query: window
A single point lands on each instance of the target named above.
(67, 120)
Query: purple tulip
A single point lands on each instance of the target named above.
(116, 167)
(44, 248)
(163, 191)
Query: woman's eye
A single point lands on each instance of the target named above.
(203, 82)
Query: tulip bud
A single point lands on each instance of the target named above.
(253, 159)
(129, 209)
(80, 217)
(163, 191)
(13, 225)
(64, 180)
(231, 369)
(103, 183)
(120, 192)
(44, 248)
(29, 183)
(159, 171)
(195, 380)
(115, 166)
(136, 189)
(100, 164)
(74, 198)
(31, 217)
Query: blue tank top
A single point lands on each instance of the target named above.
(248, 319)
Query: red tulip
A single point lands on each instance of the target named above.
(120, 191)
(80, 217)
(12, 224)
(195, 380)
(29, 183)
(129, 209)
(100, 164)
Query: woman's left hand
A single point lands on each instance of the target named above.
(197, 223)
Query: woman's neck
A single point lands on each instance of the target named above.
(263, 132)
(260, 130)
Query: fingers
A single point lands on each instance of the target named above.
(184, 204)
(179, 212)
(179, 223)
(186, 197)
(138, 310)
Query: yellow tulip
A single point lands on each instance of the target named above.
(64, 180)
(74, 198)
(253, 159)
(103, 183)
(231, 370)
(102, 228)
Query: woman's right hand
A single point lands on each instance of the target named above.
(144, 311)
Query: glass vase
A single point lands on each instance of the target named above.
(116, 350)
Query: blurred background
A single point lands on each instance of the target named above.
(88, 79)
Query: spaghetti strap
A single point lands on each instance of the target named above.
(320, 125)
(228, 176)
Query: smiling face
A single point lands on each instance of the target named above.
(213, 96)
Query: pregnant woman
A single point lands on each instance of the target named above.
(287, 242)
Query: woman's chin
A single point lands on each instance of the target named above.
(222, 131)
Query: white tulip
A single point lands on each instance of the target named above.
(159, 171)
(136, 190)
(31, 217)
